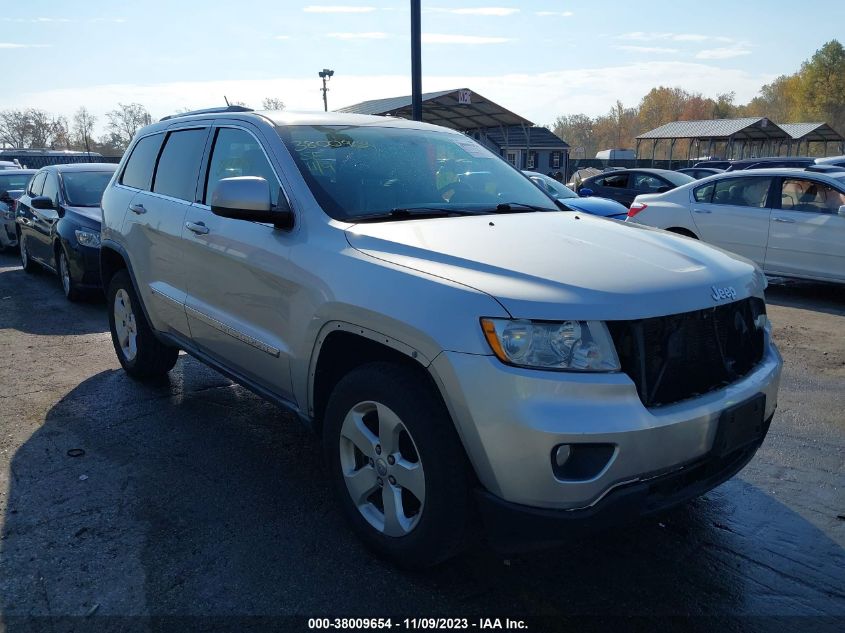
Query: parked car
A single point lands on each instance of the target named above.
(12, 185)
(715, 163)
(700, 172)
(8, 164)
(837, 161)
(58, 223)
(790, 222)
(594, 205)
(485, 352)
(771, 162)
(626, 184)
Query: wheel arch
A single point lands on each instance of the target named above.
(341, 347)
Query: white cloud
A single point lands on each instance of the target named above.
(562, 14)
(372, 35)
(494, 11)
(723, 53)
(540, 97)
(445, 38)
(337, 9)
(642, 36)
(11, 45)
(647, 49)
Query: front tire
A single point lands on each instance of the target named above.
(397, 465)
(26, 262)
(72, 293)
(140, 353)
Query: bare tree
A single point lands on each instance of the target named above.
(83, 129)
(124, 121)
(59, 133)
(15, 129)
(272, 103)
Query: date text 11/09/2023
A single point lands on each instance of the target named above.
(430, 624)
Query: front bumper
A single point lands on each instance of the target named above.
(511, 527)
(510, 420)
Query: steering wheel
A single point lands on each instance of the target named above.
(455, 187)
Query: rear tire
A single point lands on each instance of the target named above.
(397, 465)
(140, 353)
(27, 263)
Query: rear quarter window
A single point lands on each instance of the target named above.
(138, 172)
(704, 193)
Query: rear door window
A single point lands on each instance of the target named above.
(742, 192)
(138, 172)
(647, 182)
(179, 165)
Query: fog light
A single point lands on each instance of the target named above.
(561, 454)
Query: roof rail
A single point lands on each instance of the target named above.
(824, 169)
(231, 108)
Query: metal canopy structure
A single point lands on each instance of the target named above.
(749, 133)
(459, 109)
(759, 136)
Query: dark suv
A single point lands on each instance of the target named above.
(58, 223)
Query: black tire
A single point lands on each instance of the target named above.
(71, 292)
(444, 520)
(28, 265)
(152, 358)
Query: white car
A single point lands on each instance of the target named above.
(791, 222)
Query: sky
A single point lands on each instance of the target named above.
(539, 58)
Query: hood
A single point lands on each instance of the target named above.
(563, 265)
(596, 206)
(94, 214)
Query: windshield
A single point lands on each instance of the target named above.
(10, 180)
(85, 188)
(356, 171)
(677, 178)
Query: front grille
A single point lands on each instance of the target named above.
(681, 356)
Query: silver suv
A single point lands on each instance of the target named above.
(465, 348)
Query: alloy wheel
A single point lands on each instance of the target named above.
(125, 325)
(382, 468)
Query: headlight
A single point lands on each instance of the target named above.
(88, 238)
(563, 345)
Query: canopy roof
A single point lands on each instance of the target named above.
(811, 132)
(448, 108)
(748, 128)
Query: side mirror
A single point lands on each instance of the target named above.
(842, 211)
(42, 202)
(585, 193)
(248, 198)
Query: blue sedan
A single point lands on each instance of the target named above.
(593, 205)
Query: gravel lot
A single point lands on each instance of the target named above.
(195, 497)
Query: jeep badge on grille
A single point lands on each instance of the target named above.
(720, 294)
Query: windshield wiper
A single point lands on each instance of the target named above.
(511, 207)
(404, 214)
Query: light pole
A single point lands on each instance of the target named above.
(416, 62)
(325, 75)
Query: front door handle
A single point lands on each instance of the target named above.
(197, 227)
(137, 209)
(702, 210)
(785, 220)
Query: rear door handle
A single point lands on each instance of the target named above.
(137, 208)
(196, 227)
(785, 220)
(702, 210)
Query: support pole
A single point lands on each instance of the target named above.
(416, 61)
